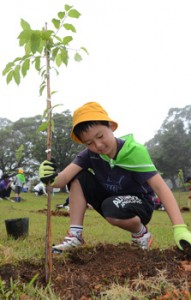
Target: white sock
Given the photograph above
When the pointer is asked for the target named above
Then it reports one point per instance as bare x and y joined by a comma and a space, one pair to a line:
141, 232
76, 230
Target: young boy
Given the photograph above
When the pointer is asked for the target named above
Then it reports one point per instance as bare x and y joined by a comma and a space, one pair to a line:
19, 182
114, 175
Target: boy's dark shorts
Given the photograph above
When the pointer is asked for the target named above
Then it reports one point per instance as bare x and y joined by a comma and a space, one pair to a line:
18, 189
114, 206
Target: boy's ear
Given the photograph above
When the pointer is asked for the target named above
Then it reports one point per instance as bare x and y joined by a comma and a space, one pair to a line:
112, 126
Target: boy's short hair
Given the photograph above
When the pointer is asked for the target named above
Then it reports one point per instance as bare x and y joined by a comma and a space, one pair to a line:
84, 126
5, 176
91, 111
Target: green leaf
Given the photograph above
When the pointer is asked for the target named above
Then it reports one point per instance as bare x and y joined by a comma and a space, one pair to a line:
17, 59
42, 87
64, 56
28, 48
9, 76
58, 38
35, 41
77, 57
69, 27
52, 93
25, 25
85, 50
67, 7
37, 63
73, 13
41, 46
24, 36
16, 74
25, 67
58, 60
67, 40
56, 23
43, 126
56, 71
54, 53
7, 68
61, 14
46, 34
43, 72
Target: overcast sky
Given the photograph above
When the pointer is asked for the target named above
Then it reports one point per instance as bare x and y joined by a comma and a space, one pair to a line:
139, 63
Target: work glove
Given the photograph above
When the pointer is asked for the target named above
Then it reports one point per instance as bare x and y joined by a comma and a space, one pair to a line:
182, 236
47, 171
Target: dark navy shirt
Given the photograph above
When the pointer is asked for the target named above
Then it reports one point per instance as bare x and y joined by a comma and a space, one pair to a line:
115, 180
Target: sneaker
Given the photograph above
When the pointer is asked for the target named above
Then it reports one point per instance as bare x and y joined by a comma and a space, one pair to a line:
144, 242
69, 242
67, 208
59, 206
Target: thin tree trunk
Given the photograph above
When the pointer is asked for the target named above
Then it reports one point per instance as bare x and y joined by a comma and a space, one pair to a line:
48, 243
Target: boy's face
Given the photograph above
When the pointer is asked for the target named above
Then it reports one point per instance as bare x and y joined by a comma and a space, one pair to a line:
100, 139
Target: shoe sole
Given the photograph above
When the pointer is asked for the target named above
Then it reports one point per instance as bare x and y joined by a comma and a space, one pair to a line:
56, 251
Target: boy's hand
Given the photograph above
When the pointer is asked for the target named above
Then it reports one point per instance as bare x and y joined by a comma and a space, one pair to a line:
47, 171
182, 236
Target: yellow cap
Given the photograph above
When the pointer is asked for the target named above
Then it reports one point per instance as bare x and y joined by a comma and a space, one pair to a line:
20, 171
91, 111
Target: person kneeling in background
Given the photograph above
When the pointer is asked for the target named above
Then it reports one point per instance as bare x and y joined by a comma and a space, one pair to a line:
40, 189
5, 187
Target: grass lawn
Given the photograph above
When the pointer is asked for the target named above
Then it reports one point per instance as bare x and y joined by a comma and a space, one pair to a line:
96, 229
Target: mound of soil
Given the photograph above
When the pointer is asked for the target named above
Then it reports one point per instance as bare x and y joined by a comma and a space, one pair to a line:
91, 271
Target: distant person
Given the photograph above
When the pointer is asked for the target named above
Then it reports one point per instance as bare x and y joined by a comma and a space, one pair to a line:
5, 187
158, 204
40, 189
19, 183
120, 186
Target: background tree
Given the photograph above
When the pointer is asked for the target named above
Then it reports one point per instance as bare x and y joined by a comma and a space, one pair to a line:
25, 132
170, 148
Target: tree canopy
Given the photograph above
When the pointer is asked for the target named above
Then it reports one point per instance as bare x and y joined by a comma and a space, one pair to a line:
25, 132
170, 148
23, 145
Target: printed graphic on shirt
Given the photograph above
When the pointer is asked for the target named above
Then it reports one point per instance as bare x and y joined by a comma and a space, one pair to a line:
122, 201
114, 186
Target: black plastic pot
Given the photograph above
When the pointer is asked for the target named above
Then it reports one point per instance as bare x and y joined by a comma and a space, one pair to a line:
17, 228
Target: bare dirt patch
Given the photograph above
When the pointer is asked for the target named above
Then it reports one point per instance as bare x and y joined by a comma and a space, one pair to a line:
91, 271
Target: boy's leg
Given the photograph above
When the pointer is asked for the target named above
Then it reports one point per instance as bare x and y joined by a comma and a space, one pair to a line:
82, 187
77, 210
130, 213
